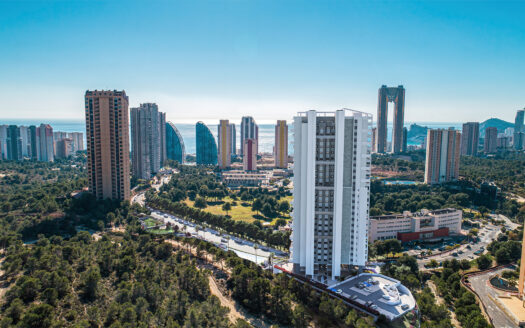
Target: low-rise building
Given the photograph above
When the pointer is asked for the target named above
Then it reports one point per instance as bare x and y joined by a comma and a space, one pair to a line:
409, 226
239, 178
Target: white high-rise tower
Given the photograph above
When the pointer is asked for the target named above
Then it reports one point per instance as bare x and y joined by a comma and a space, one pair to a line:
331, 191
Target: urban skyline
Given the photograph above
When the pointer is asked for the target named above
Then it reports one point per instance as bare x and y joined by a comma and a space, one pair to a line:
250, 66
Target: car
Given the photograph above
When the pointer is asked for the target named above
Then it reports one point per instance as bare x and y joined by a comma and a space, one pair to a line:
455, 254
339, 291
404, 306
166, 216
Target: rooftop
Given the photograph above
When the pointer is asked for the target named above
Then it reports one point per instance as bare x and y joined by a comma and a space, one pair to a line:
378, 292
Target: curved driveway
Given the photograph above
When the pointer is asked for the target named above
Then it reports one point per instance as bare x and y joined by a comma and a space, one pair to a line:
486, 293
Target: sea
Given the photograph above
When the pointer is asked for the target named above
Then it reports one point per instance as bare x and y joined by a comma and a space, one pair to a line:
266, 131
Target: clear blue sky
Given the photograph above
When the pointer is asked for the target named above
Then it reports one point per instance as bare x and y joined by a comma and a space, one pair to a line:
221, 59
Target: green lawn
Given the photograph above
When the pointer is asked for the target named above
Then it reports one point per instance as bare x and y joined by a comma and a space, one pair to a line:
242, 211
149, 222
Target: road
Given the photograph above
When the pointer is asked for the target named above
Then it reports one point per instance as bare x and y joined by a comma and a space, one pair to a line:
243, 248
486, 234
480, 285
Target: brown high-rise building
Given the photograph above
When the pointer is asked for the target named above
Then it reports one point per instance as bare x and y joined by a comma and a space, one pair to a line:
280, 150
470, 139
442, 160
491, 140
249, 157
397, 96
107, 135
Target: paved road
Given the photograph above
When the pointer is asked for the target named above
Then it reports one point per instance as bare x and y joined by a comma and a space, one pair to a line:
243, 248
480, 285
486, 234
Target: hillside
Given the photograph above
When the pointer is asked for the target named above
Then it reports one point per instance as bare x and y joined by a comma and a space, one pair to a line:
494, 122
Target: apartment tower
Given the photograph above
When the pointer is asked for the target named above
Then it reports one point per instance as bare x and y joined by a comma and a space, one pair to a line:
148, 135
46, 143
519, 130
397, 96
107, 134
442, 158
175, 149
249, 130
225, 147
490, 145
205, 145
470, 139
280, 150
331, 191
249, 158
233, 137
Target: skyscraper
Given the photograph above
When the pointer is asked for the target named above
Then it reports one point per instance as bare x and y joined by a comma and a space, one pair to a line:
77, 140
225, 147
331, 191
386, 95
64, 148
249, 130
24, 139
249, 158
280, 150
148, 129
206, 146
442, 158
470, 139
491, 140
34, 143
519, 129
233, 134
46, 143
107, 134
3, 141
14, 143
175, 149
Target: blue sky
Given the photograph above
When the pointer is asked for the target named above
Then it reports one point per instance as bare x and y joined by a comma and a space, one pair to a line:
207, 60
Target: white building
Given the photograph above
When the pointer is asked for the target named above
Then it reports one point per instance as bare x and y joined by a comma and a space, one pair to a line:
409, 226
331, 191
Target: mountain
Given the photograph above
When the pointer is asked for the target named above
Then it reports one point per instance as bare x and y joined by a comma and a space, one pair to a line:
416, 134
496, 123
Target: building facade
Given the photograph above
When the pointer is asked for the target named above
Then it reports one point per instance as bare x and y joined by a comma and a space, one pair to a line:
224, 140
77, 140
34, 143
14, 143
470, 139
409, 226
331, 191
249, 130
206, 146
280, 150
107, 134
519, 130
233, 135
46, 143
175, 149
442, 156
148, 130
386, 95
249, 157
491, 140
64, 148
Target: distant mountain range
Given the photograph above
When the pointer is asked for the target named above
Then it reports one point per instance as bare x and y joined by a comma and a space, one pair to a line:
417, 133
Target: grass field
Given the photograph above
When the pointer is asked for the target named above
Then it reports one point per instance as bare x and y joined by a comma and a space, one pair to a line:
242, 211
